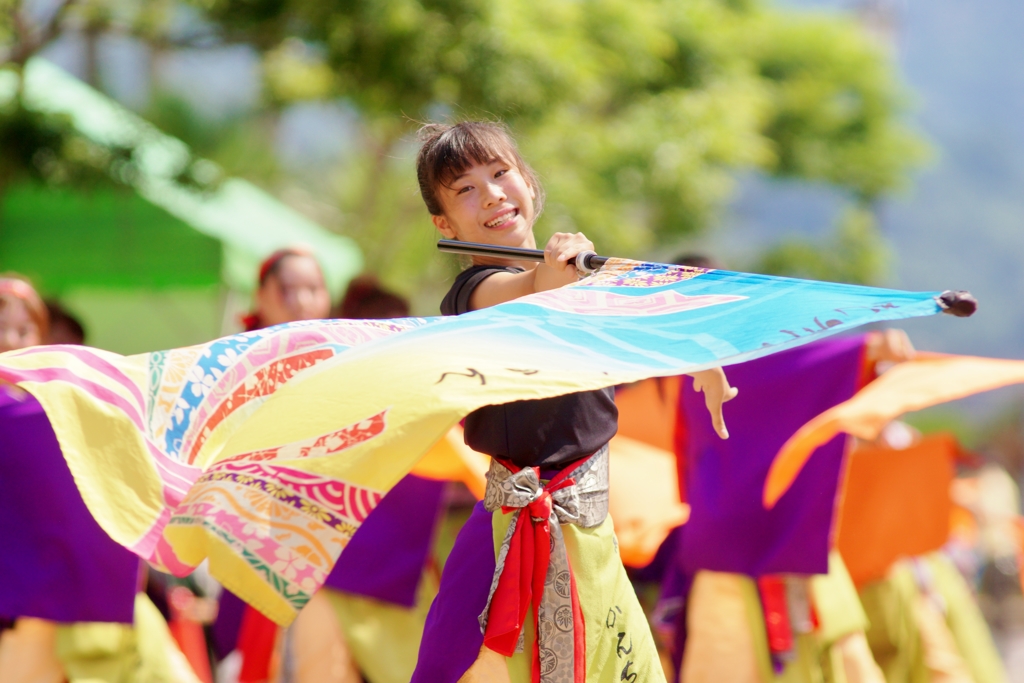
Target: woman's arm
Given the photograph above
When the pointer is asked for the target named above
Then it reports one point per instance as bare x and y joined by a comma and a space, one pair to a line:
555, 272
717, 391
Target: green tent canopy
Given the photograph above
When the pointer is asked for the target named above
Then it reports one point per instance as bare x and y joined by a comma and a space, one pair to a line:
178, 237
65, 239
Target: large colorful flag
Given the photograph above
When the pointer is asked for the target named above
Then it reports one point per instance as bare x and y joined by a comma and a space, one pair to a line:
265, 451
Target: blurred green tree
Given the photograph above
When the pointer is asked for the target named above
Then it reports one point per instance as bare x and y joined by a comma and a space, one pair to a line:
31, 144
636, 113
47, 148
855, 253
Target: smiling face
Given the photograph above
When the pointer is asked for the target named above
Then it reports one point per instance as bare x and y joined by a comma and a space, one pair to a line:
476, 185
488, 202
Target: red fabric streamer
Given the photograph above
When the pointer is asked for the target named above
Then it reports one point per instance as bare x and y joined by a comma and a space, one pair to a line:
256, 643
776, 614
188, 633
521, 583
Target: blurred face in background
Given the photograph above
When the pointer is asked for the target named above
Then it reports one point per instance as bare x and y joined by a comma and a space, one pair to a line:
17, 327
295, 290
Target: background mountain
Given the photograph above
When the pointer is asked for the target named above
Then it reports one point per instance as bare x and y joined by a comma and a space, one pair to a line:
961, 224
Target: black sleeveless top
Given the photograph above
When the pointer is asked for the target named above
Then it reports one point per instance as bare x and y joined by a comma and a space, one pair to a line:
547, 432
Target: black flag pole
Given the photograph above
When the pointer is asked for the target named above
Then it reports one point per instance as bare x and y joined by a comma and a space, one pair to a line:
955, 302
587, 261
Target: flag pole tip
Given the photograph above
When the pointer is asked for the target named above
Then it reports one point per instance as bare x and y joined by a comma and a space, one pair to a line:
960, 303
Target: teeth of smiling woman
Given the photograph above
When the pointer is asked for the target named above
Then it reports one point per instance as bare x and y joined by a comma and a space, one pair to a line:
501, 220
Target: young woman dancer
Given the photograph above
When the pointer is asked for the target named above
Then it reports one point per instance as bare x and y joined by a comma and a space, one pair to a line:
549, 612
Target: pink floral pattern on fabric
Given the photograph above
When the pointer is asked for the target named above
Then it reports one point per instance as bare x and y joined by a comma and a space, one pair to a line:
618, 272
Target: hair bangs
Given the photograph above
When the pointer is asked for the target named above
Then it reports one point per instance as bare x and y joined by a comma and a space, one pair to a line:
461, 148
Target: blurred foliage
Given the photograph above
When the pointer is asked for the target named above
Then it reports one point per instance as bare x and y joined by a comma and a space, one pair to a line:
997, 438
636, 113
296, 72
26, 27
855, 253
47, 148
1005, 439
236, 145
948, 418
7, 14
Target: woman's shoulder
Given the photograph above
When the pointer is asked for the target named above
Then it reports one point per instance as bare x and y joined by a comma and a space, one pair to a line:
473, 270
456, 301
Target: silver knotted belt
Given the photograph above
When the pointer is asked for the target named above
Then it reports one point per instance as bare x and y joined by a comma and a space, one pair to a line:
534, 545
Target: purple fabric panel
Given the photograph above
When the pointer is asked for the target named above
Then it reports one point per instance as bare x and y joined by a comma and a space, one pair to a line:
385, 558
675, 591
729, 530
452, 637
55, 560
224, 633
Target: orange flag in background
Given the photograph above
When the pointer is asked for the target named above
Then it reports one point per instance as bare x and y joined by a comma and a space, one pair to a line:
895, 503
927, 380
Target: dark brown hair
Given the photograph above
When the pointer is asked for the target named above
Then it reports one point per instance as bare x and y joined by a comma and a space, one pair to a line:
365, 299
65, 328
272, 263
449, 149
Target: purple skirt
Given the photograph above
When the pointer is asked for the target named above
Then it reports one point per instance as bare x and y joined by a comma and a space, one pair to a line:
452, 637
